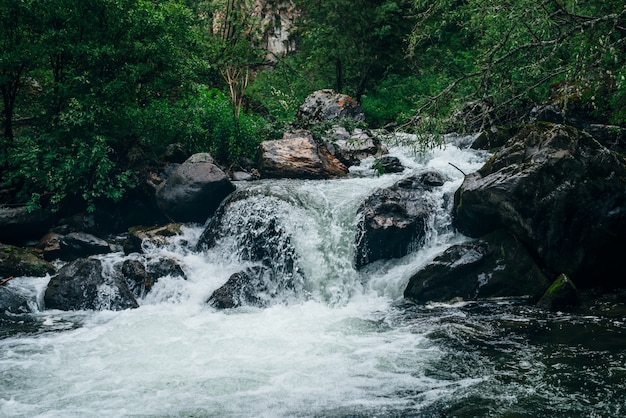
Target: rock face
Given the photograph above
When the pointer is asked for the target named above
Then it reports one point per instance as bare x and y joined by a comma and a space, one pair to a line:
497, 265
82, 285
18, 225
298, 156
560, 193
392, 221
16, 261
194, 190
326, 105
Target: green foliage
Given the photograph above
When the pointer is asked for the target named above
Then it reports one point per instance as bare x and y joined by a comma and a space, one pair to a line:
511, 52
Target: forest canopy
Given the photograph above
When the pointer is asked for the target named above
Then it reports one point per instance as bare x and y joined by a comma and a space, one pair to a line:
90, 86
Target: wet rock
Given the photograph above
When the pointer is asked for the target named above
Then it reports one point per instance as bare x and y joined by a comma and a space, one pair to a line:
327, 105
154, 235
12, 301
194, 190
136, 275
497, 265
561, 193
561, 295
392, 221
246, 288
16, 261
351, 148
82, 285
19, 225
251, 228
141, 275
493, 138
387, 164
297, 156
77, 245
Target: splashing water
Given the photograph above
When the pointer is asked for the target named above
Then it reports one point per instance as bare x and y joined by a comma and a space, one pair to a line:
340, 343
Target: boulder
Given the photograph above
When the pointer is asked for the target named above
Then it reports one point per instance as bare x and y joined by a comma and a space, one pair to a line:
327, 105
352, 147
77, 245
561, 193
561, 295
497, 265
298, 156
392, 221
246, 288
20, 224
387, 164
251, 229
82, 285
16, 261
194, 190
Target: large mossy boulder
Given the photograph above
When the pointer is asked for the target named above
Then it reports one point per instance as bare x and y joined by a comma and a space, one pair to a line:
194, 190
16, 261
496, 265
83, 285
298, 156
392, 221
561, 193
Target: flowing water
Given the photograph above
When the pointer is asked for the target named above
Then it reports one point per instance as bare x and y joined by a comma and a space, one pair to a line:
339, 343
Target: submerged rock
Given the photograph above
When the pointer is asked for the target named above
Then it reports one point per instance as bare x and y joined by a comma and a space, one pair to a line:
392, 221
497, 265
297, 156
82, 285
194, 190
561, 193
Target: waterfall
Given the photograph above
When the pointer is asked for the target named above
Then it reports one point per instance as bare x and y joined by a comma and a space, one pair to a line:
329, 340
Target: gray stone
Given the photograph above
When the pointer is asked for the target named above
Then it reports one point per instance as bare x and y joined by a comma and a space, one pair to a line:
194, 190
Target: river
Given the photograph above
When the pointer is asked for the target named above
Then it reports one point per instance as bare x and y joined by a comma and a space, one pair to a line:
343, 343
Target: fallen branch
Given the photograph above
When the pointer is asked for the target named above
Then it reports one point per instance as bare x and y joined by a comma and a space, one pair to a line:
5, 281
462, 172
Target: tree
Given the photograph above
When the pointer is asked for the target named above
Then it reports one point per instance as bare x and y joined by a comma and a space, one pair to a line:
513, 51
17, 57
106, 63
357, 43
